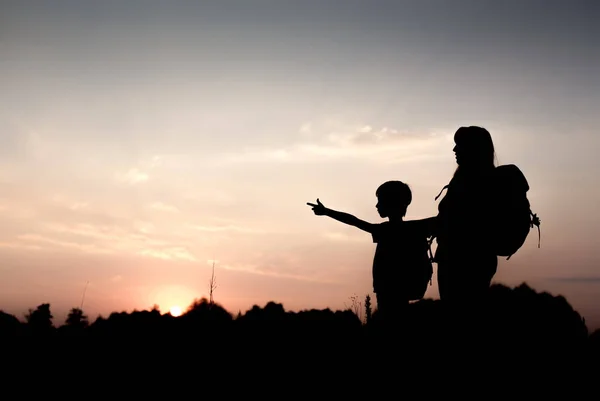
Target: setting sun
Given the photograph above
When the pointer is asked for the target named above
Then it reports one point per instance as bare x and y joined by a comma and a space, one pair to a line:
175, 311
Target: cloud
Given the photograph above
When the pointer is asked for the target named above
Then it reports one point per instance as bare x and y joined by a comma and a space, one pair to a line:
108, 233
20, 245
263, 269
227, 228
79, 206
133, 176
366, 135
39, 239
384, 145
139, 238
210, 195
116, 278
174, 253
306, 128
71, 204
157, 161
145, 227
164, 207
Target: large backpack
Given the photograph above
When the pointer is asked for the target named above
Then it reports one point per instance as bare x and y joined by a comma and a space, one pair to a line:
511, 216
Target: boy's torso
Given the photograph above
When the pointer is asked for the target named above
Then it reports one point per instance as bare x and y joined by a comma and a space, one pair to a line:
401, 248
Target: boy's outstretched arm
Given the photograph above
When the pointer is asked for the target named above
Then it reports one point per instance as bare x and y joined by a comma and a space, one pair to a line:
320, 210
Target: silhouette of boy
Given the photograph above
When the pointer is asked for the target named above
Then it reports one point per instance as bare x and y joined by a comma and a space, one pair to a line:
400, 244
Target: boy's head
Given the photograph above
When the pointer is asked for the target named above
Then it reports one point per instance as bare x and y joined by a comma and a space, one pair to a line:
393, 198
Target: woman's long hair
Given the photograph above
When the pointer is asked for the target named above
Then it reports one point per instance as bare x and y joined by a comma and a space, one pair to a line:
476, 143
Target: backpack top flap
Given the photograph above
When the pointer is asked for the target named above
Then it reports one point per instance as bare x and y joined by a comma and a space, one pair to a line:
511, 179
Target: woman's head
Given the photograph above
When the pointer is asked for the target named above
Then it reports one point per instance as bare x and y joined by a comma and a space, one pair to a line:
474, 148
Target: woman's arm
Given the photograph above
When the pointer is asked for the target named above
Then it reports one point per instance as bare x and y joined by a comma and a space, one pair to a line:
428, 226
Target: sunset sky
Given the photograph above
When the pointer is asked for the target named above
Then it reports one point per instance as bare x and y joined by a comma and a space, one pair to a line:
141, 140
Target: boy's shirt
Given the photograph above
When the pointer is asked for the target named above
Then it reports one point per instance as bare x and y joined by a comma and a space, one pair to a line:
400, 246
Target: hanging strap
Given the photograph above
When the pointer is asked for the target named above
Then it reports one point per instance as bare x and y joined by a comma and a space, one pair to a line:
535, 221
431, 257
429, 242
438, 195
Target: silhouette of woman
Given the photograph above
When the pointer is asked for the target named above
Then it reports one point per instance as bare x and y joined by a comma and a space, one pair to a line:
466, 262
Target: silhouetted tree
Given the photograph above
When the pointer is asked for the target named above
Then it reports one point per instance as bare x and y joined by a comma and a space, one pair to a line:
525, 325
202, 314
594, 345
77, 319
39, 321
9, 325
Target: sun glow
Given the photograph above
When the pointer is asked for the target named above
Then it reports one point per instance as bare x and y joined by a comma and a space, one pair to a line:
175, 311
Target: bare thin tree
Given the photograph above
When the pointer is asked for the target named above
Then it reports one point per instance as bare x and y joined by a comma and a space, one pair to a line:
83, 296
355, 306
212, 284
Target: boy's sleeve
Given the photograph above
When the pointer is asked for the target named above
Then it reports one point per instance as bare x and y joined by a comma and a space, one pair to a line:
424, 228
377, 232
430, 226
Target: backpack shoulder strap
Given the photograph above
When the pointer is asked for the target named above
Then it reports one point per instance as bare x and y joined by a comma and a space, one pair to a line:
440, 194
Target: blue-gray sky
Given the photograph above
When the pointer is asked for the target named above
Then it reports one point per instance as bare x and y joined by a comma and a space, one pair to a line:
140, 140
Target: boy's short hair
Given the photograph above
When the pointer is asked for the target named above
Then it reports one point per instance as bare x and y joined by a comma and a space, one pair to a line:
396, 191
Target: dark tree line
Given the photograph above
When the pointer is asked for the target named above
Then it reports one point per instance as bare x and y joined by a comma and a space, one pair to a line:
518, 327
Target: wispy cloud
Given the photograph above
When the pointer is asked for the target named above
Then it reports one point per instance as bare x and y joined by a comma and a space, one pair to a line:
387, 145
136, 239
79, 206
117, 240
227, 228
69, 203
39, 241
20, 245
269, 270
212, 195
306, 128
175, 253
163, 207
133, 176
100, 232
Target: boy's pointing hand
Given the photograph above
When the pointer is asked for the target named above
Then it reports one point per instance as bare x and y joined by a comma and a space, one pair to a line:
318, 209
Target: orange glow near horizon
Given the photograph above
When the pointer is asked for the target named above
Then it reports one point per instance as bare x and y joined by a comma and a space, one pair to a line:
175, 311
